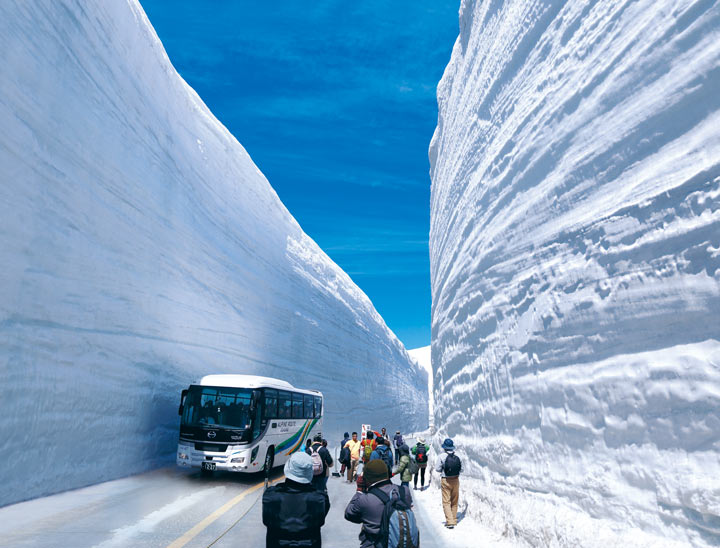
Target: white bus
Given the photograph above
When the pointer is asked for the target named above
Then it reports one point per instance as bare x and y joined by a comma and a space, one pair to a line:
244, 423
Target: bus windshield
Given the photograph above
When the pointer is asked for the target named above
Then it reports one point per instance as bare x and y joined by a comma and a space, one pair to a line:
219, 407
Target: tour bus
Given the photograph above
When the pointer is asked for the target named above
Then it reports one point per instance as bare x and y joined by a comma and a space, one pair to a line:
244, 423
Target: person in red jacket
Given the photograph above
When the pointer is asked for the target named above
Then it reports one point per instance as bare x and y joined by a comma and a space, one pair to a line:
368, 446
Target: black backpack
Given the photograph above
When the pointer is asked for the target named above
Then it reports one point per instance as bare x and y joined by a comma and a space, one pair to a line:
420, 454
452, 465
344, 456
398, 528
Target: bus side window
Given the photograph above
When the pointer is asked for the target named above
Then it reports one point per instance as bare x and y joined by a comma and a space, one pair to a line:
309, 411
318, 407
297, 406
284, 405
270, 409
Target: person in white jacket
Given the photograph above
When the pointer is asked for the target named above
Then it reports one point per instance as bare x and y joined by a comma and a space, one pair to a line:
449, 465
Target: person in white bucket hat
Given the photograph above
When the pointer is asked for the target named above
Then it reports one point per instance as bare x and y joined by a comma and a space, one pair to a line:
294, 510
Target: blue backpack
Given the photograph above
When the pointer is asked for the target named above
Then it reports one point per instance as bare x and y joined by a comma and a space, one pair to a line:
398, 528
387, 458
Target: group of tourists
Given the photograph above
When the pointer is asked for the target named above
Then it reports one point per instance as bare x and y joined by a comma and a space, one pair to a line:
294, 511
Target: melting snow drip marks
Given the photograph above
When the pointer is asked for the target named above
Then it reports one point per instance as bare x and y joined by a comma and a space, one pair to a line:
575, 267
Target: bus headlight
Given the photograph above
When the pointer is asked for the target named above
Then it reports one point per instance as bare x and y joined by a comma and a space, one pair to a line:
238, 460
183, 456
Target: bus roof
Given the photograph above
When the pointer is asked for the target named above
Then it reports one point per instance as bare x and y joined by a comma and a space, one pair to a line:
249, 381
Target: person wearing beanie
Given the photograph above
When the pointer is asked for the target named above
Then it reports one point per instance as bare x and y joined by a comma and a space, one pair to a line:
366, 508
294, 511
449, 465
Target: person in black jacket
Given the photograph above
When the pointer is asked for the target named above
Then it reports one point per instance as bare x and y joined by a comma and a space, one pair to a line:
294, 511
344, 453
319, 481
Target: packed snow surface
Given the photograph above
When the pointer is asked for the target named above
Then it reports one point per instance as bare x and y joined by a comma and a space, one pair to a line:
575, 260
141, 248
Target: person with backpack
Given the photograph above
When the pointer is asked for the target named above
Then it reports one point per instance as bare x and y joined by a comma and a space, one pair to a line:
407, 467
420, 452
294, 511
397, 442
321, 461
368, 446
385, 511
383, 452
344, 458
449, 465
354, 447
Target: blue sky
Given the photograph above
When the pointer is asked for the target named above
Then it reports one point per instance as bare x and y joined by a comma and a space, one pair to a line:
335, 102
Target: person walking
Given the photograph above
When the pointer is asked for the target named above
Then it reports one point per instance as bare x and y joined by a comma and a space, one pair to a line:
397, 442
322, 461
404, 467
368, 446
344, 458
294, 511
354, 446
449, 465
367, 506
420, 452
383, 452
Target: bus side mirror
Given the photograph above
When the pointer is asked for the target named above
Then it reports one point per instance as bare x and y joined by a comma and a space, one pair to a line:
254, 401
182, 402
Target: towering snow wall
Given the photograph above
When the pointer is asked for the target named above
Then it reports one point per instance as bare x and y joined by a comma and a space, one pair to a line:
141, 248
575, 257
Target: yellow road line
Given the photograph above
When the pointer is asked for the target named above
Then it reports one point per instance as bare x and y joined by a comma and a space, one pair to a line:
200, 527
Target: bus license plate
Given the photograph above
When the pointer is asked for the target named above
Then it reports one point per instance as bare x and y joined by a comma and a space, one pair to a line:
208, 466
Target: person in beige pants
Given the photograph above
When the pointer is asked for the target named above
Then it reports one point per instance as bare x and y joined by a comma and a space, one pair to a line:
449, 465
354, 446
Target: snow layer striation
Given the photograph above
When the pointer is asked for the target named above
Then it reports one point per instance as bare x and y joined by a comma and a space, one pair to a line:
575, 261
141, 248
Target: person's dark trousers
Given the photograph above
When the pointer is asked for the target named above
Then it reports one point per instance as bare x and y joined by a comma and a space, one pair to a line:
397, 456
319, 482
421, 473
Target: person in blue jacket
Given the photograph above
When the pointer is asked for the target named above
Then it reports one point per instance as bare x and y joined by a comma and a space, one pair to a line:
383, 452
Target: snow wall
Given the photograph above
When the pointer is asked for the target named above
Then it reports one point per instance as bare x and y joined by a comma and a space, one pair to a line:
141, 248
575, 264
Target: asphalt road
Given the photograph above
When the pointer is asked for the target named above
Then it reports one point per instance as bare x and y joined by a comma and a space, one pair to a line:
168, 508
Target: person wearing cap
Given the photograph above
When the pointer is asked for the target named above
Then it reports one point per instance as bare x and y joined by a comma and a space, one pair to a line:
294, 511
449, 465
366, 508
